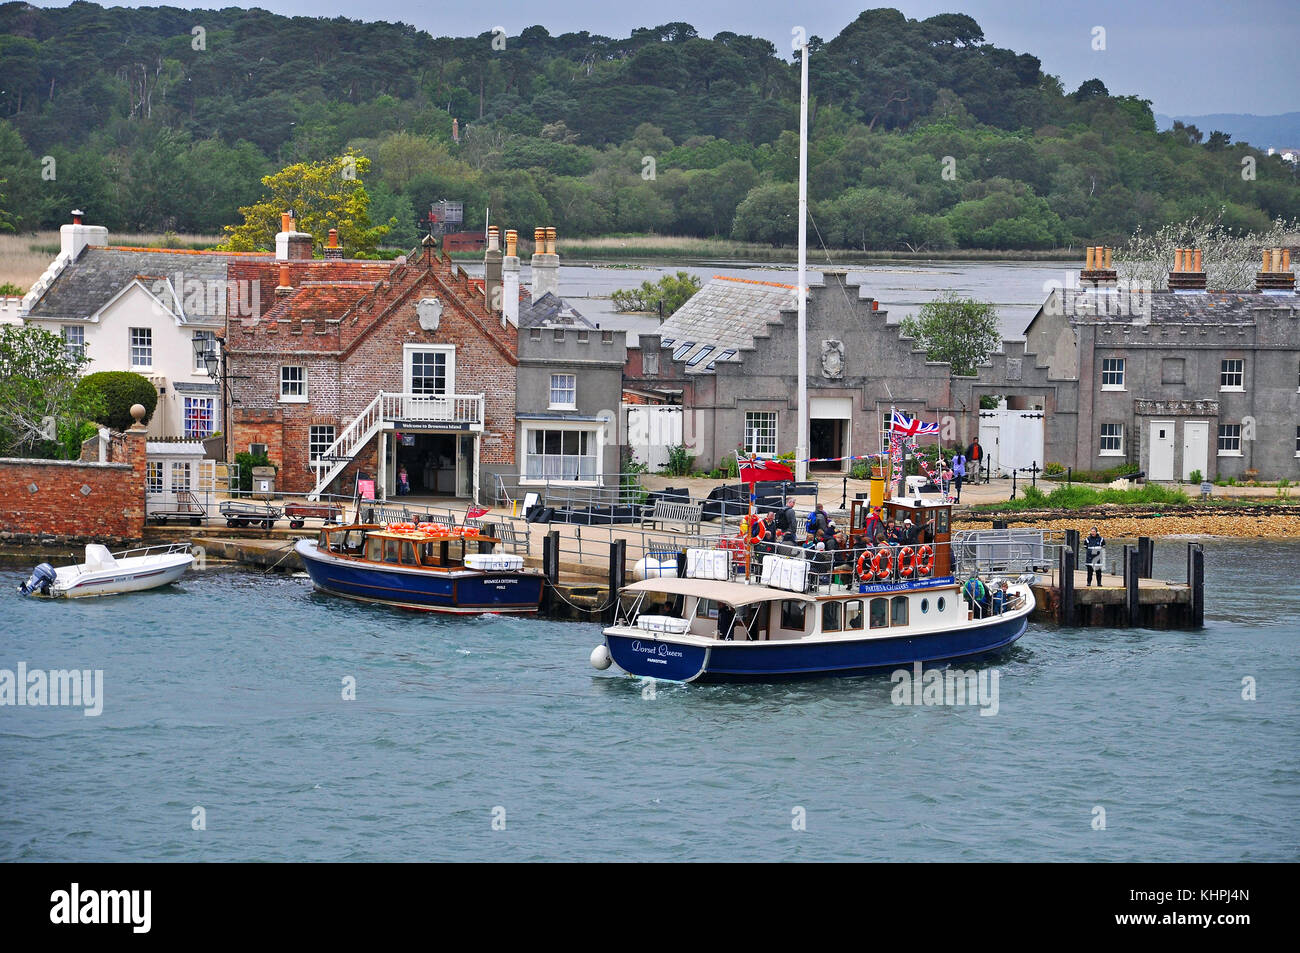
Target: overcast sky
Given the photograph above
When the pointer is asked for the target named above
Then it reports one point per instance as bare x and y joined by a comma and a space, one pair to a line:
1188, 57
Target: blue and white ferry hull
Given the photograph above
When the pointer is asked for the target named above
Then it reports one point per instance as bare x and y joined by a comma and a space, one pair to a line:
464, 591
646, 655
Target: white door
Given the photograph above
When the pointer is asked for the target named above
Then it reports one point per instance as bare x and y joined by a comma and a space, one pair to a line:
991, 442
1196, 448
1161, 466
650, 431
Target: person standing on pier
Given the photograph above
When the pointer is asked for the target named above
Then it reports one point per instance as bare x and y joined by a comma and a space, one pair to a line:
958, 473
1094, 545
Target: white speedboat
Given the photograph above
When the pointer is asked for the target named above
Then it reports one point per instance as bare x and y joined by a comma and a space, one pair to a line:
105, 573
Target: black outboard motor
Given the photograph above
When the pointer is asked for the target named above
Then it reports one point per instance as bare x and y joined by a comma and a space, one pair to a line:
43, 577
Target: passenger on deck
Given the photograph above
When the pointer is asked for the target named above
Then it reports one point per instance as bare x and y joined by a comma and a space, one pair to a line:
875, 529
909, 533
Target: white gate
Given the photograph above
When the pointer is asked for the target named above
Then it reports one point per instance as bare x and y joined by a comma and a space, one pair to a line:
1012, 439
651, 429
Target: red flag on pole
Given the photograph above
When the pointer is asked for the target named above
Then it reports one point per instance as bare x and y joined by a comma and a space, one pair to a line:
752, 470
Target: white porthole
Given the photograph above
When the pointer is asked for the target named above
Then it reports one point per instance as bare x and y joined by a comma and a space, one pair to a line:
925, 606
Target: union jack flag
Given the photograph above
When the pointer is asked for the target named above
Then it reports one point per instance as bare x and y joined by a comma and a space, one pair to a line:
911, 426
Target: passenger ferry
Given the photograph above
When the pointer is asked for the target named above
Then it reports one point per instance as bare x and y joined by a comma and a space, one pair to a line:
426, 566
862, 609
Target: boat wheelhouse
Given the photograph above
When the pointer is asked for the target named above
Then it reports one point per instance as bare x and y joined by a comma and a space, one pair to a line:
427, 567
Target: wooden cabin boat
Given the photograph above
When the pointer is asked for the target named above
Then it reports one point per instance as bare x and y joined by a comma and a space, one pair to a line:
859, 611
426, 567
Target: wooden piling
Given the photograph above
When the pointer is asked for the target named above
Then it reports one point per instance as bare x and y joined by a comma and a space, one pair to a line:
550, 568
1197, 582
1069, 555
617, 567
1131, 577
1146, 556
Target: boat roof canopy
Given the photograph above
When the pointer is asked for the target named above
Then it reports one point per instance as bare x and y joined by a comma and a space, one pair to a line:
734, 594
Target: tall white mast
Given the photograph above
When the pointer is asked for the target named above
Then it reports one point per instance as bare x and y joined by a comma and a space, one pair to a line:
801, 451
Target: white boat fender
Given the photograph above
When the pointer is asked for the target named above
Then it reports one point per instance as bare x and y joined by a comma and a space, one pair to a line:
42, 578
600, 658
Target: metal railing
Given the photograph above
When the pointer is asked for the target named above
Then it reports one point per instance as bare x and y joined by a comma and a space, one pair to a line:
983, 551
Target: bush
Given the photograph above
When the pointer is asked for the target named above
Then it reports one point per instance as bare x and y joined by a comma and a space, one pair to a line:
119, 390
246, 462
1194, 477
861, 471
1054, 469
679, 461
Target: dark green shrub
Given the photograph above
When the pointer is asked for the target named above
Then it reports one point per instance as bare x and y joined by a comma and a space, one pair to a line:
246, 462
119, 390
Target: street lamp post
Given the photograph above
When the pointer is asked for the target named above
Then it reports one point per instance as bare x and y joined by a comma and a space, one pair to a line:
208, 350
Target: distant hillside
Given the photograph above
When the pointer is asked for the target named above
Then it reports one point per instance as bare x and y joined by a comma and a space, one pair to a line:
1263, 132
924, 136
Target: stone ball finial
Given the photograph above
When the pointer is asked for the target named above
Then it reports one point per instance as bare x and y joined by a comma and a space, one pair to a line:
138, 412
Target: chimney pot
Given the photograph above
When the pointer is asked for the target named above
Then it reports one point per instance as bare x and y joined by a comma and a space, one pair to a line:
76, 216
550, 241
512, 242
334, 238
1286, 259
285, 287
286, 222
1087, 265
1196, 260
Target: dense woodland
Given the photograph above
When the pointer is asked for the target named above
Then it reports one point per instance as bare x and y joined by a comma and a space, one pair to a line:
924, 135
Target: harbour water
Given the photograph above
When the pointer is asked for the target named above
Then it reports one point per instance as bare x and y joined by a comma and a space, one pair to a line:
491, 738
1017, 288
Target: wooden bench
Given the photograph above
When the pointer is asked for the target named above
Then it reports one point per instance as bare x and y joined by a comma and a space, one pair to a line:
688, 515
512, 536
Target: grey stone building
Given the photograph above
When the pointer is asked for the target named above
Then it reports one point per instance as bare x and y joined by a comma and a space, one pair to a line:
1179, 381
1172, 381
569, 384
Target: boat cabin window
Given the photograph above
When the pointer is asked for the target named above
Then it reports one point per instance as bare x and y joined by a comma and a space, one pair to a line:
408, 554
792, 615
899, 615
391, 549
879, 613
941, 604
831, 616
941, 520
708, 609
375, 549
854, 617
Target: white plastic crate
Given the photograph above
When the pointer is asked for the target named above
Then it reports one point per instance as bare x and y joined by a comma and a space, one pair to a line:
670, 625
494, 562
708, 564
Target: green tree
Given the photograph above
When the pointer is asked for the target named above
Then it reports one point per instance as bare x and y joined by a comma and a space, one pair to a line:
673, 290
323, 195
116, 392
961, 331
769, 213
38, 390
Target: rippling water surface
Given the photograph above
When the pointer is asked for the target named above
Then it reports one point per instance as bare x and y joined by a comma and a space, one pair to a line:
225, 693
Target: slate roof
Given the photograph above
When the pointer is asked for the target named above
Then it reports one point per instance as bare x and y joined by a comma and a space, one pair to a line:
1170, 307
722, 319
87, 284
550, 311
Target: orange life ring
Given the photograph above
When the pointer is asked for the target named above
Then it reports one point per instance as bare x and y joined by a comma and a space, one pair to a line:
760, 531
925, 560
906, 562
883, 562
863, 571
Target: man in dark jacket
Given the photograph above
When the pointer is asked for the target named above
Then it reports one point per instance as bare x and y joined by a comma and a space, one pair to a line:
974, 460
1094, 547
789, 523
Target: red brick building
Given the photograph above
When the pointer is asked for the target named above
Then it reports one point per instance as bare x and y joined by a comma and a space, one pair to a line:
372, 367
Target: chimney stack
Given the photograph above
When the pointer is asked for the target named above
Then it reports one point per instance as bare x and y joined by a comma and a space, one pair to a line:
492, 270
291, 244
1187, 275
510, 279
75, 237
1098, 271
332, 249
546, 263
284, 287
1276, 276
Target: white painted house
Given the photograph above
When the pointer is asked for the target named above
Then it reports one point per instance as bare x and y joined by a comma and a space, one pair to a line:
138, 309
